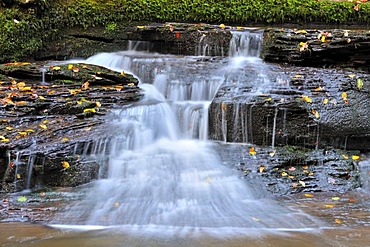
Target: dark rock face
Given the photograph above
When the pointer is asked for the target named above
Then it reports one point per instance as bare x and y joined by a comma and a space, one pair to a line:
49, 126
317, 108
170, 38
314, 47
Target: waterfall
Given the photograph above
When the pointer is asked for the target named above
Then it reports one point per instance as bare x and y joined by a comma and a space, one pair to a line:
162, 172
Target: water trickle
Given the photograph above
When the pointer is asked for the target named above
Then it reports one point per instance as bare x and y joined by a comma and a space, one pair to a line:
162, 171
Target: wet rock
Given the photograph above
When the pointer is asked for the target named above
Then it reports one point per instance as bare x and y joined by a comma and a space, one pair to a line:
48, 113
317, 47
307, 107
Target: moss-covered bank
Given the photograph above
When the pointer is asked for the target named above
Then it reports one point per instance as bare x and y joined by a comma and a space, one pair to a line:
26, 25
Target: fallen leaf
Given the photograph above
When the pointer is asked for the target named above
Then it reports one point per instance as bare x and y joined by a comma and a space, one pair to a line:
360, 83
70, 66
335, 198
65, 139
178, 35
345, 156
338, 221
291, 169
302, 183
357, 7
42, 194
65, 164
43, 126
56, 68
355, 157
85, 85
317, 115
98, 104
325, 101
116, 205
309, 195
209, 180
222, 26
42, 97
92, 110
123, 73
352, 76
76, 70
307, 99
262, 168
252, 151
8, 127
284, 174
272, 154
22, 199
329, 206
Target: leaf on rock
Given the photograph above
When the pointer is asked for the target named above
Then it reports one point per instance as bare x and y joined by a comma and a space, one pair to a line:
65, 164
22, 199
309, 195
335, 198
355, 157
262, 168
70, 66
56, 68
284, 174
329, 206
307, 99
92, 110
302, 183
345, 156
43, 126
360, 83
325, 101
338, 221
252, 151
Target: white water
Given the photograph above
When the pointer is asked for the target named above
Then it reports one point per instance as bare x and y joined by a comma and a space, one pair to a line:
163, 173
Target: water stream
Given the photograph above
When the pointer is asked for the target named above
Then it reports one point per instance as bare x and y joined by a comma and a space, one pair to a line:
163, 173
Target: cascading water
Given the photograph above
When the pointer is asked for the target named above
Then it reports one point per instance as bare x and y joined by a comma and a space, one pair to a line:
162, 171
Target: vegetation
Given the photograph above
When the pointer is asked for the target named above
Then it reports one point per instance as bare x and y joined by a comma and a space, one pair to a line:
26, 24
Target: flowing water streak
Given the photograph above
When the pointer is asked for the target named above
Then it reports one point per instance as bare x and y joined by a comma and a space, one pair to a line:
164, 177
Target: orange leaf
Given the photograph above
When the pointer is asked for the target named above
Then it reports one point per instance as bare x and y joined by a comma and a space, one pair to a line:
65, 164
252, 151
178, 35
75, 69
356, 7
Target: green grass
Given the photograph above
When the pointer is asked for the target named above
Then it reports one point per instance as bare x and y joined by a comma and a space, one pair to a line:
24, 30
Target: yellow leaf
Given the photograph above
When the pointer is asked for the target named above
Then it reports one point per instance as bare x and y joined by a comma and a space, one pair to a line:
65, 139
5, 140
336, 198
18, 175
43, 126
329, 206
123, 73
325, 101
272, 154
25, 88
268, 99
65, 164
359, 83
322, 38
140, 27
92, 110
317, 115
355, 157
352, 76
131, 84
21, 84
30, 130
344, 95
307, 99
291, 177
338, 221
56, 68
70, 66
9, 127
309, 195
345, 156
85, 85
284, 174
21, 103
318, 89
222, 26
25, 63
252, 151
302, 183
310, 174
23, 133
302, 31
42, 97
45, 121
262, 168
98, 104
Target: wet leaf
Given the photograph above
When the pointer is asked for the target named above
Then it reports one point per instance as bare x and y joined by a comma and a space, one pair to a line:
338, 221
18, 176
65, 164
262, 168
22, 199
352, 76
45, 121
42, 194
309, 195
317, 115
291, 169
92, 110
325, 101
123, 73
307, 99
252, 151
335, 198
272, 154
85, 85
329, 206
302, 183
5, 140
318, 89
65, 139
178, 35
345, 156
42, 97
56, 68
355, 157
43, 126
140, 27
222, 26
284, 174
75, 69
359, 83
70, 66
302, 31
98, 104
9, 128
323, 38
23, 133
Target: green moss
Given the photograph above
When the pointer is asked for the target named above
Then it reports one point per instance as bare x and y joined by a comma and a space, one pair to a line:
24, 29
